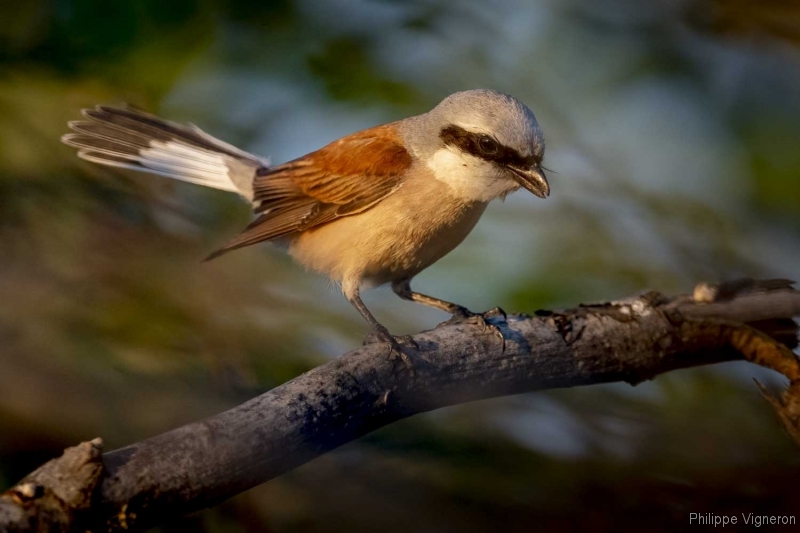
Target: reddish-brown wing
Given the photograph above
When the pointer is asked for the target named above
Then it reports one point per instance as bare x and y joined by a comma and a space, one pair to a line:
341, 179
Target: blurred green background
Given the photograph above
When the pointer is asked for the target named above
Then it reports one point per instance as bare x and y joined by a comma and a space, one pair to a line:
674, 127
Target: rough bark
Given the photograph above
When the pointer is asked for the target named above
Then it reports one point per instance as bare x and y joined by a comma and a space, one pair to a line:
206, 462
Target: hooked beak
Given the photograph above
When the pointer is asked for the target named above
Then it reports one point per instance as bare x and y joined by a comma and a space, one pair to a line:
532, 179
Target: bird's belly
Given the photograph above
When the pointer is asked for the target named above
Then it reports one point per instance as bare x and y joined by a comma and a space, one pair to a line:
388, 242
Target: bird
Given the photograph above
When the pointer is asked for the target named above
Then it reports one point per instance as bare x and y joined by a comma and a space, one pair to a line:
372, 208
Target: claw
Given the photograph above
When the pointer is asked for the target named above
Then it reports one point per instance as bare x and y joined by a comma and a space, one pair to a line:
497, 311
497, 333
407, 339
462, 314
395, 348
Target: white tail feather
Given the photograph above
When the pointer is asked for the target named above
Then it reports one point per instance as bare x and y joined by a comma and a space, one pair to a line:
176, 161
131, 139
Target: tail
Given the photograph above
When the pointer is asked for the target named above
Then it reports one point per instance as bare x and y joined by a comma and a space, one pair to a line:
132, 139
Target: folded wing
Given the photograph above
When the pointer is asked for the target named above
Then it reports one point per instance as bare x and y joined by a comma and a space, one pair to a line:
341, 179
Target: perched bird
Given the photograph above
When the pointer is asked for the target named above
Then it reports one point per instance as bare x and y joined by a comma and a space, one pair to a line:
375, 207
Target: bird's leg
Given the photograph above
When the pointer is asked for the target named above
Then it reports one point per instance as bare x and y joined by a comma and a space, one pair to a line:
403, 290
460, 313
379, 331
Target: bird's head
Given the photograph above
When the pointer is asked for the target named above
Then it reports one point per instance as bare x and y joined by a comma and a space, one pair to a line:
484, 144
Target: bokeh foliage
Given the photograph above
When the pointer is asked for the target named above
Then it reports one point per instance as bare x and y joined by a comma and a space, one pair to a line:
674, 127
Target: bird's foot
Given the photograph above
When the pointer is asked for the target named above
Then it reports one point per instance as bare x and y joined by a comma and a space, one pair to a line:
463, 315
396, 344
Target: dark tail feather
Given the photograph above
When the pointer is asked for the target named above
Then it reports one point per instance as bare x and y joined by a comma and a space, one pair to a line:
132, 139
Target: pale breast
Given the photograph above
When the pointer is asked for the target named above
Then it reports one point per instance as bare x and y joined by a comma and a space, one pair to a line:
402, 235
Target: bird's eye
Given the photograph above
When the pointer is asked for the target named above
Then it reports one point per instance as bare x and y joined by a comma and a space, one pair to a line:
488, 145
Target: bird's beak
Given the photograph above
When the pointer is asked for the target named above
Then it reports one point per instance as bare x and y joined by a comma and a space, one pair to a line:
532, 179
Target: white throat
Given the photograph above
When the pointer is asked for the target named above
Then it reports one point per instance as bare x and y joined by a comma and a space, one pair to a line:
470, 177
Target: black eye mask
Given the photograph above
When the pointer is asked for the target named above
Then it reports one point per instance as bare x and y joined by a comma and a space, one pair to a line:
485, 147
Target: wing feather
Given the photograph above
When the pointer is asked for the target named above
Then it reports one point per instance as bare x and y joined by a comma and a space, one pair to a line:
340, 179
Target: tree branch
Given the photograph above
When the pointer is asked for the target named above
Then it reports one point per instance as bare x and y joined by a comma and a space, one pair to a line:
204, 463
